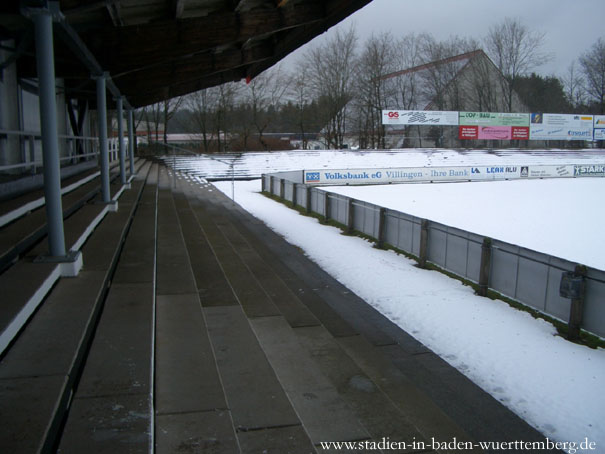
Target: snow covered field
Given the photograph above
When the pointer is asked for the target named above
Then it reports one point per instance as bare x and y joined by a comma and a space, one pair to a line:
560, 217
253, 164
556, 386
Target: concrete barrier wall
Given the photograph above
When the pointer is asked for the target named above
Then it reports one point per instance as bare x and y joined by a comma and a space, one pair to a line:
529, 277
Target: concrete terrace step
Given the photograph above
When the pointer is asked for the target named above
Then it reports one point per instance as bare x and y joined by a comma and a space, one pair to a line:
112, 404
334, 398
38, 373
252, 400
28, 281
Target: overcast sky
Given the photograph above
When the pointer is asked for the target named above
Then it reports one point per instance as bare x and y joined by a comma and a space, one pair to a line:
571, 27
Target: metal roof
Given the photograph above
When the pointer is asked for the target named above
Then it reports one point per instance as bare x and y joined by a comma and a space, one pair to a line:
158, 49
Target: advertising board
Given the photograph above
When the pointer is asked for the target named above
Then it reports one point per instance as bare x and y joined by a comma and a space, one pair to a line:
599, 127
494, 119
419, 117
493, 132
560, 127
345, 177
409, 175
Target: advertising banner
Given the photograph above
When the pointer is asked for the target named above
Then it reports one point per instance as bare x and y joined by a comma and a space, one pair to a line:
594, 170
493, 132
345, 177
599, 127
419, 117
409, 175
494, 119
560, 127
468, 132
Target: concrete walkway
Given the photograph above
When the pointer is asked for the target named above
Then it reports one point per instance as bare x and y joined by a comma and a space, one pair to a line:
216, 336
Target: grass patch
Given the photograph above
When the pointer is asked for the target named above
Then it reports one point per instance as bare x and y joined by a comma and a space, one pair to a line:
586, 338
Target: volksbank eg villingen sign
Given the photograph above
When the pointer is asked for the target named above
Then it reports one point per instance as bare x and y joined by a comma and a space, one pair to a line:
409, 175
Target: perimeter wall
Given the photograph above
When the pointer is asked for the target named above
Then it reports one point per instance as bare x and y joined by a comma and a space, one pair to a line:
529, 277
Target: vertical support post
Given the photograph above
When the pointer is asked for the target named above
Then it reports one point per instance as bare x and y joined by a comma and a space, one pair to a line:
50, 139
103, 150
308, 200
350, 216
381, 222
326, 206
271, 179
576, 310
294, 195
131, 140
121, 151
262, 182
424, 243
282, 188
485, 267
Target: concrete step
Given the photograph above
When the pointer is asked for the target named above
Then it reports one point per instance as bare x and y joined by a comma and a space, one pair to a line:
38, 373
251, 399
112, 404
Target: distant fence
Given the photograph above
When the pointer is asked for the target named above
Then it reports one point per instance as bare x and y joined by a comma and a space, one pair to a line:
529, 277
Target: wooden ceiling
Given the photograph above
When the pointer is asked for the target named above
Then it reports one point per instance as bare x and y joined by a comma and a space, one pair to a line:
160, 49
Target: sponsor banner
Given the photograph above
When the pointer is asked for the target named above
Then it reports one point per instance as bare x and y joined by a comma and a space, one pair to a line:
520, 132
595, 170
468, 132
494, 119
419, 117
495, 132
560, 127
409, 175
442, 174
547, 171
599, 127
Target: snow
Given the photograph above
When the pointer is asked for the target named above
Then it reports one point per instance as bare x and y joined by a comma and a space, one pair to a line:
555, 385
253, 164
560, 217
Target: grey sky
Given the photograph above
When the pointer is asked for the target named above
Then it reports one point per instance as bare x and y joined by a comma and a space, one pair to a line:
571, 27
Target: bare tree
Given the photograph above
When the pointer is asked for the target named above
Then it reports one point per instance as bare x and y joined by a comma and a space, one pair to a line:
573, 84
372, 90
593, 67
516, 50
202, 105
299, 90
331, 74
169, 108
264, 94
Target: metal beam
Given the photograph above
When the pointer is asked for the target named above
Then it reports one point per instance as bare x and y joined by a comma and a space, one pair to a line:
103, 150
131, 139
120, 113
50, 139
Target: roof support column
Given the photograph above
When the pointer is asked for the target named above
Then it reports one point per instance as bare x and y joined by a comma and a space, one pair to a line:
50, 140
103, 150
131, 140
121, 151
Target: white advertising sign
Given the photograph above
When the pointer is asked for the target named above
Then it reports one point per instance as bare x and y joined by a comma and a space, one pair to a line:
419, 117
345, 177
599, 127
560, 127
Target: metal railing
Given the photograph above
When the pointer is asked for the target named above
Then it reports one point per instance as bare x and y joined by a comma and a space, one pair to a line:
76, 148
529, 277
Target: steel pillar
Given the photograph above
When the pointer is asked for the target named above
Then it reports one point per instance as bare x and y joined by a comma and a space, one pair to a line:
50, 140
103, 151
121, 151
131, 139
